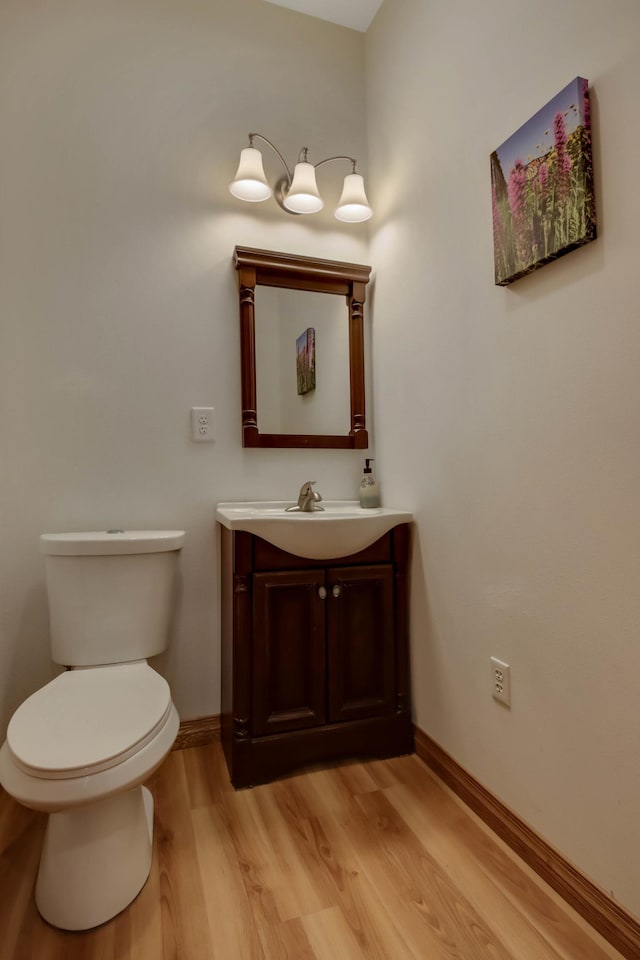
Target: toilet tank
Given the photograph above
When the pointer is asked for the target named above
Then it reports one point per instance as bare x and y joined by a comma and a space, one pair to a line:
111, 594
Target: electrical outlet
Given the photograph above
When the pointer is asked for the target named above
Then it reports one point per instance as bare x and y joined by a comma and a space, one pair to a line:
501, 681
202, 424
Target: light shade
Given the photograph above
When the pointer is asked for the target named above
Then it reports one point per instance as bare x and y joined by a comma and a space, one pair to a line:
353, 206
303, 196
250, 182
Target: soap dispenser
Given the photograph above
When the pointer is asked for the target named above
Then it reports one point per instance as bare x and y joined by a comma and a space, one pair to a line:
369, 496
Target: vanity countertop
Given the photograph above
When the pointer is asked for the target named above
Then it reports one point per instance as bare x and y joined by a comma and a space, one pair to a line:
340, 529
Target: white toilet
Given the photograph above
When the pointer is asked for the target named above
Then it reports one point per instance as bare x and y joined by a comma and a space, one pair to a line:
80, 748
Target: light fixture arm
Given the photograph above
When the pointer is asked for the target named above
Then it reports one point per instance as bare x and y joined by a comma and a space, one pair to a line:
276, 151
302, 156
329, 159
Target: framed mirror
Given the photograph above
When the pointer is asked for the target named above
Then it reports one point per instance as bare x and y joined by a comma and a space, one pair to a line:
302, 350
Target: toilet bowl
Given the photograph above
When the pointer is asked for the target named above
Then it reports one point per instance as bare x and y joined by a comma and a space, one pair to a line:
80, 749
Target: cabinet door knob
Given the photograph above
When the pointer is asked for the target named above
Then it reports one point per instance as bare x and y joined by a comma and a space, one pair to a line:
337, 590
322, 593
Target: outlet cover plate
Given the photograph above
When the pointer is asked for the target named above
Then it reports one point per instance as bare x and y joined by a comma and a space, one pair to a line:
203, 424
501, 681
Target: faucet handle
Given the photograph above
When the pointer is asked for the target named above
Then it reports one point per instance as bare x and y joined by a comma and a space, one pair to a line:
308, 491
308, 497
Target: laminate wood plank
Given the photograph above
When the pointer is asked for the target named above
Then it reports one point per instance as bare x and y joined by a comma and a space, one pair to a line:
268, 893
290, 869
325, 789
368, 909
520, 938
331, 785
331, 936
206, 774
41, 940
138, 929
254, 855
431, 905
356, 778
234, 932
385, 773
434, 917
291, 798
293, 890
185, 925
531, 897
334, 879
362, 910
481, 867
375, 860
21, 831
286, 940
332, 857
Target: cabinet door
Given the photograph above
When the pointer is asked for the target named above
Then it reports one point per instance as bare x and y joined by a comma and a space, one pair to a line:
289, 661
361, 679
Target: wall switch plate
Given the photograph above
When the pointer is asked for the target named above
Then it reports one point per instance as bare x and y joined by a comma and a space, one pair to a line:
501, 681
203, 424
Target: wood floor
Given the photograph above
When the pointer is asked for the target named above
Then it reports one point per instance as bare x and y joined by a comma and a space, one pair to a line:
369, 860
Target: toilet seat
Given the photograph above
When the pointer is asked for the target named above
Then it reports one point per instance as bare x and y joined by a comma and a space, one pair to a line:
88, 720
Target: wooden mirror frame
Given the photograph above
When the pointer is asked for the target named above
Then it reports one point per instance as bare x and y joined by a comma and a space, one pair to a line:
269, 269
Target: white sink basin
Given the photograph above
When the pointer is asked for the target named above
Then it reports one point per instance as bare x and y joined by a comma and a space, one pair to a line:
339, 530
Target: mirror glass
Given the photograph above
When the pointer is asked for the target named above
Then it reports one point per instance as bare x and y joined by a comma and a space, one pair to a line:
302, 362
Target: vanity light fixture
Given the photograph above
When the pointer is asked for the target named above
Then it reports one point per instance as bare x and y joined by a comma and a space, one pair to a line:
298, 192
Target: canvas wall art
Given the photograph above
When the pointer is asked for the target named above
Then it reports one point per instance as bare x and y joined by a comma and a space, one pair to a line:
306, 361
542, 186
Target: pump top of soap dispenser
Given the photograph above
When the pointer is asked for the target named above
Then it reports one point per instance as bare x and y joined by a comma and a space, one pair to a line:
367, 468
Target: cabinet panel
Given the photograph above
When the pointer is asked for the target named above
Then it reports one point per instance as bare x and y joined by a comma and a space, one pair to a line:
289, 664
306, 680
360, 636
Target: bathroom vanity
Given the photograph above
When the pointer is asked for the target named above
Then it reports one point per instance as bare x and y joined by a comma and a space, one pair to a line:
315, 662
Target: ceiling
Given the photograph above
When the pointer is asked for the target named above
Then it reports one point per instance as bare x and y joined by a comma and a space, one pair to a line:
356, 14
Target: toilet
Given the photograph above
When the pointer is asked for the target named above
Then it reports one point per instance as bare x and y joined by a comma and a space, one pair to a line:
81, 747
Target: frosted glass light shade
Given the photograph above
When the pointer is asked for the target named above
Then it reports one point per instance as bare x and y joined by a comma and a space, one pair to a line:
250, 182
353, 206
303, 196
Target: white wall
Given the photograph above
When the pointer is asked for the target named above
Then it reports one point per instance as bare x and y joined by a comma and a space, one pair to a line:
121, 126
508, 418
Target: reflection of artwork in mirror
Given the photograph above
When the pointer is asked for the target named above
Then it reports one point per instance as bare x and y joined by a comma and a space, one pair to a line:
306, 361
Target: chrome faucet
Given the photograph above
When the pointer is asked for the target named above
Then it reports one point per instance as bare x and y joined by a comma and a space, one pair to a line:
307, 498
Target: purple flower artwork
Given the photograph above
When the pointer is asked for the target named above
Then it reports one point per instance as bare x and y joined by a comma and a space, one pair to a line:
306, 361
542, 187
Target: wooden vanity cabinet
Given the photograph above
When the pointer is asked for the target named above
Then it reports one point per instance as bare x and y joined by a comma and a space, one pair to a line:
314, 656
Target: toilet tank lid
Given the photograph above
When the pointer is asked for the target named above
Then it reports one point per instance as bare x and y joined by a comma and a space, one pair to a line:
105, 542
